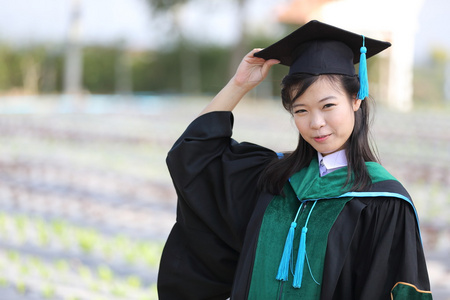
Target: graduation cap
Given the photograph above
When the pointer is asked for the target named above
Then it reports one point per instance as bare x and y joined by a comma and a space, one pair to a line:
317, 48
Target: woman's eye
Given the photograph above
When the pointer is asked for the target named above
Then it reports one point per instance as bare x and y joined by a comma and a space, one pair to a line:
328, 105
299, 111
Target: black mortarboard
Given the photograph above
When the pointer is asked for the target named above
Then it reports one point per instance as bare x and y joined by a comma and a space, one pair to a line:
318, 48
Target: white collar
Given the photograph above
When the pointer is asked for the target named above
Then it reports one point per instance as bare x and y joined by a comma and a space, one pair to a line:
334, 160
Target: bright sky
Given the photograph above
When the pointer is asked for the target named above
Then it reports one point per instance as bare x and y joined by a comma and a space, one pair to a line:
25, 21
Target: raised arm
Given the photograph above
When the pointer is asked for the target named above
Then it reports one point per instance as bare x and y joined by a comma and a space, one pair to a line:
251, 71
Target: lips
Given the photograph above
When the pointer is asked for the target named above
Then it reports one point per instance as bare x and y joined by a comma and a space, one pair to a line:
321, 138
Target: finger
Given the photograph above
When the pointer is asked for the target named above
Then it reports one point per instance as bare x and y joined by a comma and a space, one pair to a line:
269, 63
255, 50
273, 61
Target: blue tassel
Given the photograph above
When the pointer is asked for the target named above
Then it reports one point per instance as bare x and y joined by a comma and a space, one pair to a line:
363, 77
298, 275
283, 269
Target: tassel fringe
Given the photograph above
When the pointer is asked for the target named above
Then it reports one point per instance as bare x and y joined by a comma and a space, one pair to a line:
363, 77
298, 275
283, 269
286, 263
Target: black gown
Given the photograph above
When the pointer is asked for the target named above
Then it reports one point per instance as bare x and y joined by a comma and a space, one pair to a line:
373, 248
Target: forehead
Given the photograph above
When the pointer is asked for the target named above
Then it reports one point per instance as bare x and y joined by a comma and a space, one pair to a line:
324, 86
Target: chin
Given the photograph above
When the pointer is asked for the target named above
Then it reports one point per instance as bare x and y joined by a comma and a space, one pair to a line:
327, 151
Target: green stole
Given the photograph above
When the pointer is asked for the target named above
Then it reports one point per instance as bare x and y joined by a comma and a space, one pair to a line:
308, 187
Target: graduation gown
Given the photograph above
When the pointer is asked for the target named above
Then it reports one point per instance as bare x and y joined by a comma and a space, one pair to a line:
373, 249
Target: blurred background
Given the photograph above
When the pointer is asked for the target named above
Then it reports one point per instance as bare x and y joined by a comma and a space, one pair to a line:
94, 93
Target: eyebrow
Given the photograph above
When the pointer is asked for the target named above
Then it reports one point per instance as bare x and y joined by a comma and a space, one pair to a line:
321, 100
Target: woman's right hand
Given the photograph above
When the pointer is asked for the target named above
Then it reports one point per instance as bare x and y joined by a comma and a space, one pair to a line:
252, 70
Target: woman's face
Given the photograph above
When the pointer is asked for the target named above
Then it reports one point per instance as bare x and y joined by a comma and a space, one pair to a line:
324, 116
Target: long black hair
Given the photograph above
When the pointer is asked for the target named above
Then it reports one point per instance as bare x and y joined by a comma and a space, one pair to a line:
358, 150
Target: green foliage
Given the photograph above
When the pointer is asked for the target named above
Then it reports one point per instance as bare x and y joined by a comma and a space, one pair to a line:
3, 221
427, 86
10, 75
134, 282
3, 282
118, 291
87, 239
439, 55
48, 291
214, 68
85, 273
156, 72
50, 276
105, 273
99, 69
21, 287
13, 255
24, 270
165, 4
169, 70
429, 80
62, 265
43, 234
29, 68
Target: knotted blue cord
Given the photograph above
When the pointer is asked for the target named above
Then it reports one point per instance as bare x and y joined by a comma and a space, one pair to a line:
283, 268
298, 275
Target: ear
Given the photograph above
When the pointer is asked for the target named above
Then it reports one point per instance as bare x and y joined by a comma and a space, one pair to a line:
356, 103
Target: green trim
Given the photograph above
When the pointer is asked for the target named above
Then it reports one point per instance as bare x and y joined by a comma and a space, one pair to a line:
407, 291
308, 184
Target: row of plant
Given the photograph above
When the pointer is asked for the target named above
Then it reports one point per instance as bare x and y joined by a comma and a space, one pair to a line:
58, 176
115, 158
69, 279
61, 236
80, 207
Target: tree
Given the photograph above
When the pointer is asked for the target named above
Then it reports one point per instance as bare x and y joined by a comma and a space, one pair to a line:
190, 69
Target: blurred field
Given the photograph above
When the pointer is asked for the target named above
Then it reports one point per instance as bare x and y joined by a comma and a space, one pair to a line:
86, 201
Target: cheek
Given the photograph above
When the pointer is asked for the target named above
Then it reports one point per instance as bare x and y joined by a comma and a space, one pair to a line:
344, 123
300, 123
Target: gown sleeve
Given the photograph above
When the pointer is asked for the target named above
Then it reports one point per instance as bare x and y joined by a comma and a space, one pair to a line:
386, 258
216, 183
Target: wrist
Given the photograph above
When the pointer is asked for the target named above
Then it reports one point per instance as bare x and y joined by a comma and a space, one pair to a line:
239, 86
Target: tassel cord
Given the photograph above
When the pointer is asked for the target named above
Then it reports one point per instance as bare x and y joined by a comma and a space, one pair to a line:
287, 257
309, 215
300, 209
298, 276
310, 271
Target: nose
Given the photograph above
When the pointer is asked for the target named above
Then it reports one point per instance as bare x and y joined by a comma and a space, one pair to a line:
317, 121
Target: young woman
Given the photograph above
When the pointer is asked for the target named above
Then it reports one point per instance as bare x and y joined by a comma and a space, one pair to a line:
323, 222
